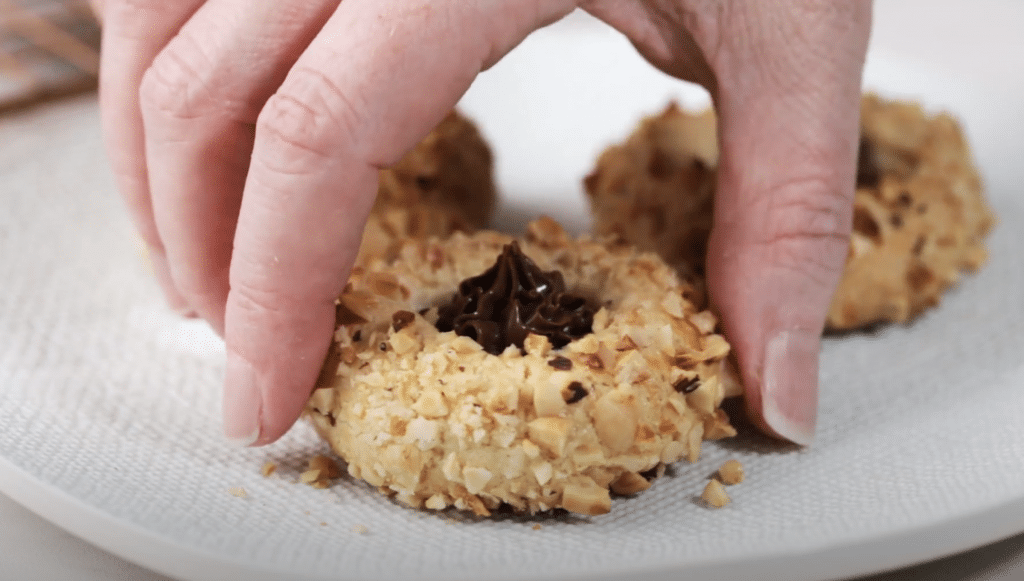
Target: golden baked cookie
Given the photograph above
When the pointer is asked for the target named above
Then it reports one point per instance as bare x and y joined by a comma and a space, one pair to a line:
443, 185
919, 213
920, 217
483, 371
656, 190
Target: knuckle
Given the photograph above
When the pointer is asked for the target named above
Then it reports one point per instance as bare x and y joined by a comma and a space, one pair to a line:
307, 121
811, 208
255, 303
176, 84
806, 228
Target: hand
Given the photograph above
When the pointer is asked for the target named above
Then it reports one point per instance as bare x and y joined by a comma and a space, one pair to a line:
246, 139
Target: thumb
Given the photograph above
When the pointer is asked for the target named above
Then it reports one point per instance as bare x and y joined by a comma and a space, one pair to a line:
788, 101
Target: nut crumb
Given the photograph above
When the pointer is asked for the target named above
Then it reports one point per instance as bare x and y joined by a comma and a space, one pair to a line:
238, 491
360, 529
327, 467
731, 472
537, 527
714, 494
268, 469
309, 476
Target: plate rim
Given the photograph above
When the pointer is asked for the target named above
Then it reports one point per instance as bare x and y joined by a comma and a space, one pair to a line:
872, 554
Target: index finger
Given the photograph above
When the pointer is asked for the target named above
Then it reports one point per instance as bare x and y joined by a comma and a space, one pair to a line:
373, 82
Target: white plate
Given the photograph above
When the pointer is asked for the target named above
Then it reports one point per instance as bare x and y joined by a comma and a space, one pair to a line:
109, 406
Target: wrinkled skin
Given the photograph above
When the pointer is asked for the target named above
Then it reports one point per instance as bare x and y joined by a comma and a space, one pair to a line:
246, 138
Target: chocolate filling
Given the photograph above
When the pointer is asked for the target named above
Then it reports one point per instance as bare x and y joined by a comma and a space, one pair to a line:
868, 172
512, 299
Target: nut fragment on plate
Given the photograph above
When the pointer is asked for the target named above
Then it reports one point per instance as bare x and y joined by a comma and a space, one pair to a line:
731, 472
320, 472
540, 373
714, 494
920, 216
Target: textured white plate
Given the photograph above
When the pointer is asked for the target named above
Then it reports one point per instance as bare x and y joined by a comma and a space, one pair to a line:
109, 405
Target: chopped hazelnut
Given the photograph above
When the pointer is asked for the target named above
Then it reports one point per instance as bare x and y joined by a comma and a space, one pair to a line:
731, 472
714, 494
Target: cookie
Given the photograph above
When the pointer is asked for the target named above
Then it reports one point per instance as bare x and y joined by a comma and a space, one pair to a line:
443, 185
656, 190
919, 213
482, 371
919, 218
388, 227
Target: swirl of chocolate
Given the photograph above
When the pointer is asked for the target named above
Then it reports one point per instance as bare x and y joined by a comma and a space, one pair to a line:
512, 299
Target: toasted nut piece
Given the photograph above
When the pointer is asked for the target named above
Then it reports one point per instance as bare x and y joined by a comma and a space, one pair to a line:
309, 476
268, 468
538, 344
530, 449
731, 472
625, 343
403, 343
543, 472
715, 346
385, 284
431, 404
630, 483
705, 322
615, 422
327, 467
476, 478
718, 426
547, 395
436, 502
546, 231
477, 506
550, 434
586, 499
714, 494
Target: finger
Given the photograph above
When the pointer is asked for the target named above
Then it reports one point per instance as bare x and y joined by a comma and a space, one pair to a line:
659, 30
789, 87
373, 82
200, 99
133, 33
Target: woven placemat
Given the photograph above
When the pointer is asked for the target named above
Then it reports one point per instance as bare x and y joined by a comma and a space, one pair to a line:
48, 48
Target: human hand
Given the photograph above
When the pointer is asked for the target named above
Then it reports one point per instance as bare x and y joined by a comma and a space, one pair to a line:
246, 139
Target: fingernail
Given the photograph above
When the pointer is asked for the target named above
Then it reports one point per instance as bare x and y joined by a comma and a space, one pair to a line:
242, 402
790, 385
